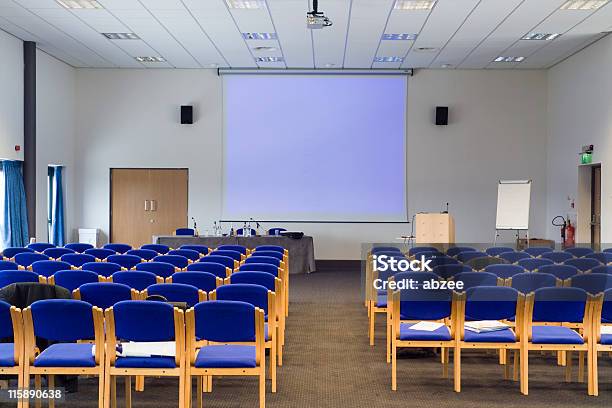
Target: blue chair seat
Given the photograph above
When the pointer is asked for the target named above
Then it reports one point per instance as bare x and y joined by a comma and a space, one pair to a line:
145, 362
606, 339
228, 356
441, 334
7, 355
66, 355
381, 300
498, 336
555, 335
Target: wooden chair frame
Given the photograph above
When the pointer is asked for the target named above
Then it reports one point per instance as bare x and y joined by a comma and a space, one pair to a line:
597, 347
283, 274
18, 341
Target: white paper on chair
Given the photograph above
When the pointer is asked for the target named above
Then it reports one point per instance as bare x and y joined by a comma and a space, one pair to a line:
426, 326
483, 326
606, 329
147, 349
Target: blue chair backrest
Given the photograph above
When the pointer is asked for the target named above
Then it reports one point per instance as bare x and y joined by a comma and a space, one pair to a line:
6, 321
537, 251
104, 294
583, 264
373, 251
557, 256
118, 248
560, 271
608, 250
263, 259
607, 269
448, 271
456, 250
7, 265
603, 257
205, 281
72, 279
237, 248
427, 253
176, 260
10, 252
254, 278
175, 292
559, 305
160, 249
26, 259
276, 231
272, 254
225, 321
528, 282
497, 250
185, 232
443, 260
531, 264
224, 260
100, 253
144, 320
78, 247
466, 256
504, 271
138, 280
147, 254
606, 311
163, 269
240, 232
473, 279
579, 252
490, 303
215, 268
514, 257
77, 259
48, 268
201, 249
105, 269
421, 303
418, 249
256, 295
126, 261
9, 277
260, 267
187, 253
63, 320
56, 253
593, 283
40, 246
235, 255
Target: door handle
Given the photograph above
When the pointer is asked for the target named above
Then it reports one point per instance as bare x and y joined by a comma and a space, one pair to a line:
153, 205
146, 205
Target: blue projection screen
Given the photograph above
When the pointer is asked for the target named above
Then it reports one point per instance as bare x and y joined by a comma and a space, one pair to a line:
315, 148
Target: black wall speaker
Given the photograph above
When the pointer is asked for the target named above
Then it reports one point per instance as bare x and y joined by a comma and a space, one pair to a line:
441, 115
186, 115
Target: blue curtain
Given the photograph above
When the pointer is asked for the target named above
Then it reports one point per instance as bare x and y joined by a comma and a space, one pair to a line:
15, 215
57, 208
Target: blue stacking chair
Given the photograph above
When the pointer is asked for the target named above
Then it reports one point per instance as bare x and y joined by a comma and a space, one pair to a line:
528, 282
533, 264
100, 253
25, 259
498, 250
545, 309
426, 253
276, 231
77, 260
225, 260
11, 353
504, 271
602, 269
187, 232
118, 248
163, 269
473, 279
225, 337
592, 283
414, 251
160, 249
562, 272
40, 246
238, 248
285, 252
146, 254
557, 256
64, 322
514, 257
105, 269
373, 251
180, 262
448, 271
608, 250
9, 277
104, 294
8, 265
583, 264
10, 252
603, 257
579, 252
72, 279
413, 305
456, 250
78, 247
57, 253
187, 253
126, 261
201, 249
240, 232
215, 268
138, 280
205, 281
537, 251
602, 316
443, 260
466, 256
489, 303
264, 259
235, 255
145, 321
281, 256
48, 268
261, 267
176, 292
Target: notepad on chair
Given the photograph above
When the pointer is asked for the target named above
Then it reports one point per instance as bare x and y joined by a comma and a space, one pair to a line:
147, 349
606, 329
484, 326
426, 326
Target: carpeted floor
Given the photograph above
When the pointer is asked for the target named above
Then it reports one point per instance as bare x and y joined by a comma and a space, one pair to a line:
328, 363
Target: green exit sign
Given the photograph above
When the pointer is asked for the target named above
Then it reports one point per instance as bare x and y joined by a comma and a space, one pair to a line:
586, 158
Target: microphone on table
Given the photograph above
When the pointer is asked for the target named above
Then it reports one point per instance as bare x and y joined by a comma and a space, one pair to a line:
195, 225
445, 212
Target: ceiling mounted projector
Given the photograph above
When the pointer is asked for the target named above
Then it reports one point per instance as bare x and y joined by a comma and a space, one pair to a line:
315, 19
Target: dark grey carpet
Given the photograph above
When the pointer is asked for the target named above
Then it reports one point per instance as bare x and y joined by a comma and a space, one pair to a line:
328, 363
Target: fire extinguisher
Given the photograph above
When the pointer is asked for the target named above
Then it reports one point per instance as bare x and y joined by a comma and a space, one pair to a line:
567, 231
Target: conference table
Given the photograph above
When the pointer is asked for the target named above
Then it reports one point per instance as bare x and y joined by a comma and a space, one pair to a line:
301, 251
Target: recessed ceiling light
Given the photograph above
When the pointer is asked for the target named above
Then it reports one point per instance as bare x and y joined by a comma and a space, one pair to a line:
389, 59
246, 4
150, 59
426, 49
213, 65
414, 4
330, 65
411, 37
541, 36
265, 49
79, 4
583, 4
509, 59
269, 59
446, 65
259, 36
121, 36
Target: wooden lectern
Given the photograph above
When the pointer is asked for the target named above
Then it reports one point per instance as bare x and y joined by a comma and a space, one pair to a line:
435, 228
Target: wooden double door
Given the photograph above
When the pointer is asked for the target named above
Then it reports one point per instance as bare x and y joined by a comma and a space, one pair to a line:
147, 202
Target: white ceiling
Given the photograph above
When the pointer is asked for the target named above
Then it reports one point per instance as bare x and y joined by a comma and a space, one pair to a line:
206, 33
